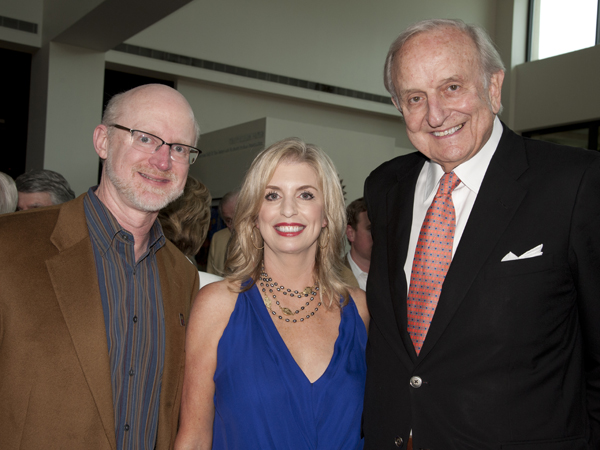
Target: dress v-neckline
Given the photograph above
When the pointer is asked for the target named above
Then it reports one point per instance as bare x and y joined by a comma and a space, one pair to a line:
268, 321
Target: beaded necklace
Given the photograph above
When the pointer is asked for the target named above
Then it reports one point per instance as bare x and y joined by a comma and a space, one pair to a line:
267, 283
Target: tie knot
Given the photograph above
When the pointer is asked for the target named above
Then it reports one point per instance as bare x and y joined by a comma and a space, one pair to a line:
448, 183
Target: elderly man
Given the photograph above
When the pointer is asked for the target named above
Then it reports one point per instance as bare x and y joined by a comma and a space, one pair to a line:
42, 188
93, 327
218, 245
484, 285
358, 233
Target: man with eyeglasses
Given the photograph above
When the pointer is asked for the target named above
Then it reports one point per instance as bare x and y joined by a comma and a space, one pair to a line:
92, 328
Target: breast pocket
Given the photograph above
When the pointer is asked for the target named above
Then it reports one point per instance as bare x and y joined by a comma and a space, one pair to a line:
526, 298
519, 267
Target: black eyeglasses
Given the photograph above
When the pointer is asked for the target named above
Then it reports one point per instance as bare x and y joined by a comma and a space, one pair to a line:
149, 143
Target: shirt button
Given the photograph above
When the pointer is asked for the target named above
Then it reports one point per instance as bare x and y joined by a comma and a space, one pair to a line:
131, 372
126, 427
416, 382
399, 442
135, 319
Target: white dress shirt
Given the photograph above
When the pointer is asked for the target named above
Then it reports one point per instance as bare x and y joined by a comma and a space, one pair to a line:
360, 276
471, 175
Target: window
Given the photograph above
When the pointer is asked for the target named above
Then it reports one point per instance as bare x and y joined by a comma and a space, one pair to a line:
586, 135
559, 26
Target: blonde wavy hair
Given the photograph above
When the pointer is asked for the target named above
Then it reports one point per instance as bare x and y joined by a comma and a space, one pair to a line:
245, 256
185, 221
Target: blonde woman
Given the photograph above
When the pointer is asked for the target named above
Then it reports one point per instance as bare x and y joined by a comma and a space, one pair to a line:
275, 352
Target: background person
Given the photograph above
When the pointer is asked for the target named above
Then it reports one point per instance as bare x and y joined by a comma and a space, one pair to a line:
275, 352
185, 223
483, 286
217, 251
8, 194
39, 188
358, 233
93, 327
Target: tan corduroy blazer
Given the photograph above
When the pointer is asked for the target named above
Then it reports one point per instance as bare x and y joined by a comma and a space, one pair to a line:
55, 385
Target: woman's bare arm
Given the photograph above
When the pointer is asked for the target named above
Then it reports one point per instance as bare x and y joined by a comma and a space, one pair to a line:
209, 317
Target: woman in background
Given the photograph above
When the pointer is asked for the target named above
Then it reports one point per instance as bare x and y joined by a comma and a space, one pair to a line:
275, 352
185, 222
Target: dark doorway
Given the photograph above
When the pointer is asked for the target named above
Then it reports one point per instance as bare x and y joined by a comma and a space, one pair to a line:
14, 110
116, 82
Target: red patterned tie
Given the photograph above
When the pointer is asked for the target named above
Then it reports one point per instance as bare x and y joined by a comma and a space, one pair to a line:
433, 256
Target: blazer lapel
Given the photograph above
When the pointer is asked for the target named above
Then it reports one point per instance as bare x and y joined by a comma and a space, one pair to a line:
497, 201
400, 200
75, 282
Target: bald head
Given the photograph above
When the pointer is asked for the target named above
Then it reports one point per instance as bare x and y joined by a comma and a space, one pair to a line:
148, 95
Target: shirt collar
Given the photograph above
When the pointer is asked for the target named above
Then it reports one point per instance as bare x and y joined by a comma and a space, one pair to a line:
354, 266
472, 171
105, 228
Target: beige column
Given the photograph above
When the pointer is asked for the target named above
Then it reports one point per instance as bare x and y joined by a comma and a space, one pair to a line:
64, 108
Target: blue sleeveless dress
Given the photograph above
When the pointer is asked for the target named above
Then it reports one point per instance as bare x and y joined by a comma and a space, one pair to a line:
264, 401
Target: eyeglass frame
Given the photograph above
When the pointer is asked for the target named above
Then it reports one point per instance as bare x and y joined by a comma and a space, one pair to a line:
191, 155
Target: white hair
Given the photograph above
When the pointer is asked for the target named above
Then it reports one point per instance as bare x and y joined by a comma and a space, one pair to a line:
490, 61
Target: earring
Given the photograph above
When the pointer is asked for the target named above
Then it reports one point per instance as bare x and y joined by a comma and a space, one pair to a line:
252, 239
323, 247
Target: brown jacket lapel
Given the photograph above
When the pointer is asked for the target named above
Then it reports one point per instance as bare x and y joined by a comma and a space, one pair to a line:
75, 282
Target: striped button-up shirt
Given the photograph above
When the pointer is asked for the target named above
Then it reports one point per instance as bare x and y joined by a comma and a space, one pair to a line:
134, 320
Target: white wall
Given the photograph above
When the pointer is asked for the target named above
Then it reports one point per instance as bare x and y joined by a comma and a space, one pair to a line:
354, 154
28, 11
340, 43
559, 90
363, 139
228, 153
218, 107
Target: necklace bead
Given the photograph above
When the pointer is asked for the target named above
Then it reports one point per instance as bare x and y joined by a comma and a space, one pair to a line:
266, 283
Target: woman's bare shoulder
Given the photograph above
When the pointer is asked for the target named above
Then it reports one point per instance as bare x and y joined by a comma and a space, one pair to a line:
224, 290
360, 300
214, 304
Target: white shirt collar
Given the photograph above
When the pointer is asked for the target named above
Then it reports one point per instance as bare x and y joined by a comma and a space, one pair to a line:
354, 266
472, 171
360, 276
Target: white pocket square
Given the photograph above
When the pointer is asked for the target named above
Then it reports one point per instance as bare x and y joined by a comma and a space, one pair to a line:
535, 251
